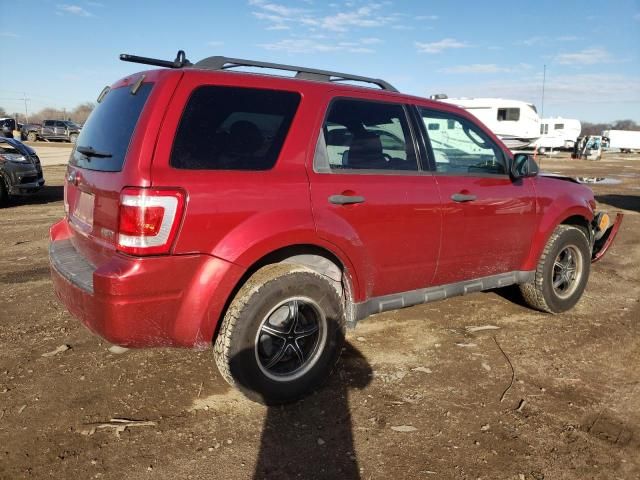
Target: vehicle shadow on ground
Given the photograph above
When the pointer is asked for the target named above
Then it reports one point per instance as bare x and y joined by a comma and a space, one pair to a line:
512, 294
48, 194
313, 438
628, 202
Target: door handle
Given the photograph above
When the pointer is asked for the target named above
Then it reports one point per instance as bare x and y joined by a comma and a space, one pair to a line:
461, 197
345, 199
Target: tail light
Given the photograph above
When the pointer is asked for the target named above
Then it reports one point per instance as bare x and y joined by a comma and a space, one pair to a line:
148, 220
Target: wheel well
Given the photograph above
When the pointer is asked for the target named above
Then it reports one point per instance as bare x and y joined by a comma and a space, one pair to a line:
314, 257
578, 221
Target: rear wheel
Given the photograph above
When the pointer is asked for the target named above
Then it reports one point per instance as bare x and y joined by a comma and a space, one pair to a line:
73, 137
32, 137
562, 272
281, 335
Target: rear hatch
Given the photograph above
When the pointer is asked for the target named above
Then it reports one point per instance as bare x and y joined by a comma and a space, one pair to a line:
113, 151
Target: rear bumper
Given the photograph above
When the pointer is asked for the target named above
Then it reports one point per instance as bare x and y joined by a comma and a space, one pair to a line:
143, 302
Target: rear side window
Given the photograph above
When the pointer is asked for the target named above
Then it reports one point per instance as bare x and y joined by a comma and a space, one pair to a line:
109, 129
230, 128
365, 135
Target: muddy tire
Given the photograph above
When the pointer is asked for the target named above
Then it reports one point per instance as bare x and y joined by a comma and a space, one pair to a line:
562, 272
282, 334
32, 137
4, 194
73, 138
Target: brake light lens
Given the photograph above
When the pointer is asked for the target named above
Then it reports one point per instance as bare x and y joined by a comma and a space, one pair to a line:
148, 220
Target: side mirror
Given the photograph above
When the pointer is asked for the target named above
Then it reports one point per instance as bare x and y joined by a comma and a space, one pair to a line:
523, 165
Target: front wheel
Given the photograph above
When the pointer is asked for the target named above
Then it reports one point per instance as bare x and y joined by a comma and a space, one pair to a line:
32, 137
562, 272
4, 194
73, 137
282, 334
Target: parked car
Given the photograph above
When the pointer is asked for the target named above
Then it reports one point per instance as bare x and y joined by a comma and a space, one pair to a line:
51, 130
20, 170
207, 206
7, 126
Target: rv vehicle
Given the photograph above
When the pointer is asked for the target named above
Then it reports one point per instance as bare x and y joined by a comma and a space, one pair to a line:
625, 140
516, 123
558, 132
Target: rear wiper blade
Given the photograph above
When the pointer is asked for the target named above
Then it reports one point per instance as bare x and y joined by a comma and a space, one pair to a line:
91, 152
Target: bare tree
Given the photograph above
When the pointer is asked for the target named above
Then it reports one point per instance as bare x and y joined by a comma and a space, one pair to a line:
597, 128
625, 125
82, 112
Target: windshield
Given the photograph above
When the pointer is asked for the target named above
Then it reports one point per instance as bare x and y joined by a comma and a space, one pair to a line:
104, 140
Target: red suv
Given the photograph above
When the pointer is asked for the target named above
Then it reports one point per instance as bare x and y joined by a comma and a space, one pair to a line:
264, 214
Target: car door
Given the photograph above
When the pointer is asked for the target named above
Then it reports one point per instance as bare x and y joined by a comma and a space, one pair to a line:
371, 199
488, 219
48, 128
60, 128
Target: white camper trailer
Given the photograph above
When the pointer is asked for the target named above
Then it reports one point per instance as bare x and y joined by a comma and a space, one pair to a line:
625, 140
516, 123
558, 132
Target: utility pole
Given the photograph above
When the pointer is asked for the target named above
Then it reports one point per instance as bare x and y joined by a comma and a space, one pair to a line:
26, 113
544, 79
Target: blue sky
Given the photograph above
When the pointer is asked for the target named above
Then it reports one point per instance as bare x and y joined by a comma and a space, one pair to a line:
62, 52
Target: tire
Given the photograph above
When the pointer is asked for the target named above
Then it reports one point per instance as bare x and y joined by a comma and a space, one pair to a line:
73, 137
282, 334
32, 137
562, 272
4, 194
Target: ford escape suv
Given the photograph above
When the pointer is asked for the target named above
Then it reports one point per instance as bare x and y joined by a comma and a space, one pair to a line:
207, 205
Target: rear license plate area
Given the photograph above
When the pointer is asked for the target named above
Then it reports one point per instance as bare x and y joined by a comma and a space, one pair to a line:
82, 214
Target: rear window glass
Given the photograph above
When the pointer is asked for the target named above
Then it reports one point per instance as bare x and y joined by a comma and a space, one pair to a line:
230, 128
109, 129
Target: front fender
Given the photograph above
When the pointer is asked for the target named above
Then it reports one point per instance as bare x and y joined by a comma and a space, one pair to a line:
551, 215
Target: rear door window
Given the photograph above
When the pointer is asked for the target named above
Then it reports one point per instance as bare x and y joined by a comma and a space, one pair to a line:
109, 130
365, 135
231, 128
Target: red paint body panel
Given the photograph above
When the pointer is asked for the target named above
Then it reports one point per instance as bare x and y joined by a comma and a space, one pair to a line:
489, 235
151, 301
557, 200
407, 235
393, 238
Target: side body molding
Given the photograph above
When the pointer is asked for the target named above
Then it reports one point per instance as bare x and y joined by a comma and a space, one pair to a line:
425, 295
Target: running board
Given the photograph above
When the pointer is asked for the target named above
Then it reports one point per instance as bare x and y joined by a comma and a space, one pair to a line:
396, 301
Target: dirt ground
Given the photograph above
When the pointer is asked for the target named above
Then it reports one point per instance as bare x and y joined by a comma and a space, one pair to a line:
417, 395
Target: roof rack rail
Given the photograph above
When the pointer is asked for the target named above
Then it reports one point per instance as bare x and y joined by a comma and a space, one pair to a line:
180, 61
226, 63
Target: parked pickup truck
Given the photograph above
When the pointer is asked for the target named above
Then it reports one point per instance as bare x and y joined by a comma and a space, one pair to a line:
51, 130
